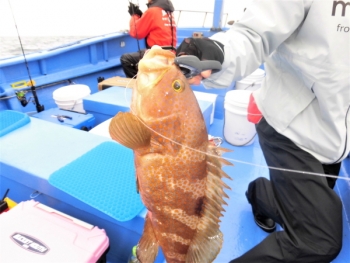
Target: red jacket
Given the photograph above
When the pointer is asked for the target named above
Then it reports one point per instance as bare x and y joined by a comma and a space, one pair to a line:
155, 26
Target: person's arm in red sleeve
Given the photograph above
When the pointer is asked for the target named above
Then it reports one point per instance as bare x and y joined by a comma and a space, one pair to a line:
140, 27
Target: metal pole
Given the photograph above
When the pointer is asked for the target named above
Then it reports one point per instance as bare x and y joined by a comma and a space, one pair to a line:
218, 6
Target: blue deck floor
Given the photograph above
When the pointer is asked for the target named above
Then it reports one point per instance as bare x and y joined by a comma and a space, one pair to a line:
238, 226
29, 170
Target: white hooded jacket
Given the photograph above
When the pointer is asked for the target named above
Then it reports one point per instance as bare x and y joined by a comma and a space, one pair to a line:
306, 49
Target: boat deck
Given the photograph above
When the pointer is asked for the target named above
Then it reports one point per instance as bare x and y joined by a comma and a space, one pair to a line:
238, 226
27, 164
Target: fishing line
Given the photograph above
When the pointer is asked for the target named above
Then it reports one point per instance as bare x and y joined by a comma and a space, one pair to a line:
39, 107
231, 159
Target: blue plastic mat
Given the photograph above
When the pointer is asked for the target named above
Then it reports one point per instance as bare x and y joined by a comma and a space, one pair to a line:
12, 120
104, 178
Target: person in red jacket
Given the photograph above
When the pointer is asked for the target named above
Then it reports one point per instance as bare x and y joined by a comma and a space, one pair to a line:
157, 25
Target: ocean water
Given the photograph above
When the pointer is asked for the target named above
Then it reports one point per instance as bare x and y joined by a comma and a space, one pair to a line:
10, 46
42, 24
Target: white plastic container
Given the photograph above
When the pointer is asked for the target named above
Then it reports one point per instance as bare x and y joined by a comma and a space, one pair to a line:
71, 97
207, 97
238, 131
251, 82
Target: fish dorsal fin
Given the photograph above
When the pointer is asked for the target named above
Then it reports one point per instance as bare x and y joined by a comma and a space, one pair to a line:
129, 131
208, 239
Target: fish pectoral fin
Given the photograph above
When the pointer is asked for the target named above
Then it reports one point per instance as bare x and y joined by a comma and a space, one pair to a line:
147, 248
128, 130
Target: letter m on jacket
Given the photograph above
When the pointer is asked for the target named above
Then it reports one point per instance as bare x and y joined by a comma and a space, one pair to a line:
343, 7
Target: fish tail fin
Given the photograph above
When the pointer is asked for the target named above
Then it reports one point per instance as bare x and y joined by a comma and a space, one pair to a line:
147, 248
204, 248
208, 239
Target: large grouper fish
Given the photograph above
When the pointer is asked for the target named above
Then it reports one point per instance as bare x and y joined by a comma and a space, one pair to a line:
178, 172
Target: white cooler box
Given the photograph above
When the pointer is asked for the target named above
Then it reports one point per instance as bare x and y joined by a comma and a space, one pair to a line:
33, 232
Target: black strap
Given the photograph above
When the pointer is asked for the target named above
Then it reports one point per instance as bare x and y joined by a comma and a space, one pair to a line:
168, 48
172, 30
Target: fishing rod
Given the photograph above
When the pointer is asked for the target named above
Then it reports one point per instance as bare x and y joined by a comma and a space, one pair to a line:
137, 37
21, 95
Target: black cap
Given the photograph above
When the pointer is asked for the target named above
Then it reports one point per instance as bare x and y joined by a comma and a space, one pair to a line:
189, 47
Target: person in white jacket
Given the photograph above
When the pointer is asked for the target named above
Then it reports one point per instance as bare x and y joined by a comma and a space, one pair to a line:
304, 129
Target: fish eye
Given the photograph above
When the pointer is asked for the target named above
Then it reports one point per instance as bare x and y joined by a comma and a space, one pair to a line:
178, 85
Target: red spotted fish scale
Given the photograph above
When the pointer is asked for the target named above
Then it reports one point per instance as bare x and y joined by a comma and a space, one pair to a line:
178, 172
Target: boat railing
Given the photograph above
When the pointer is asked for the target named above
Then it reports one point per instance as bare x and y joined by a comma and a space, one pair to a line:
205, 16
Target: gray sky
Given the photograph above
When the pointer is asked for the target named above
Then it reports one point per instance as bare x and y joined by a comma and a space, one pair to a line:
94, 17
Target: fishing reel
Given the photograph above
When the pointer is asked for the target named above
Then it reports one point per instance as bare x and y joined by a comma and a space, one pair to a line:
191, 66
21, 96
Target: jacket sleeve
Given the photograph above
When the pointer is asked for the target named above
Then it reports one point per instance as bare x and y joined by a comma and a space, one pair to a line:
264, 26
140, 27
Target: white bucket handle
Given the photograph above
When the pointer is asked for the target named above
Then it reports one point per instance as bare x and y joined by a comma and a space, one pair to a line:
251, 85
75, 102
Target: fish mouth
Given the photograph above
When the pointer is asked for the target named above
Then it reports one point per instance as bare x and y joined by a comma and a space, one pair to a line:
153, 66
146, 81
156, 59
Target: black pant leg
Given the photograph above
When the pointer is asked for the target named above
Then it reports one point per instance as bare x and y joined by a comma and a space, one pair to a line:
263, 206
331, 169
130, 61
310, 211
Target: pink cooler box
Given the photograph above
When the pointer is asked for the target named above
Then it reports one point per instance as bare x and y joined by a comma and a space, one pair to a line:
33, 232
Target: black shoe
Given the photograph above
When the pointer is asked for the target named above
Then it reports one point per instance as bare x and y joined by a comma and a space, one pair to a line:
265, 223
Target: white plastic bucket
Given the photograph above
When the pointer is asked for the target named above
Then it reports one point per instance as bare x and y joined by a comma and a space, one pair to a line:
238, 131
251, 82
71, 97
